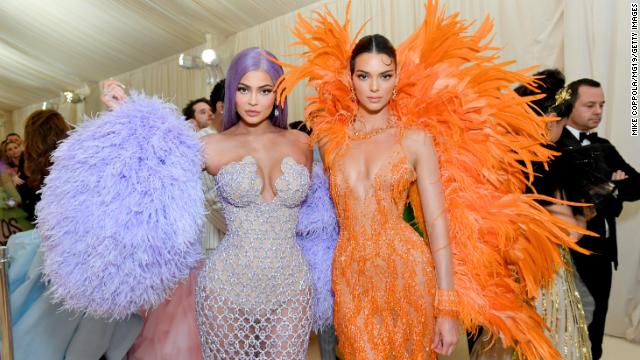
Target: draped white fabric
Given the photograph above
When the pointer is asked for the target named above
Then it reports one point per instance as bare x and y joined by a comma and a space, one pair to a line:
50, 46
582, 38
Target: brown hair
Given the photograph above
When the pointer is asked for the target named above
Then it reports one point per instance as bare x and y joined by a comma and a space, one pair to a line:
373, 44
43, 131
4, 155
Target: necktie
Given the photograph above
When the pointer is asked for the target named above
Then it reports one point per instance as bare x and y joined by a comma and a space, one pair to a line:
588, 136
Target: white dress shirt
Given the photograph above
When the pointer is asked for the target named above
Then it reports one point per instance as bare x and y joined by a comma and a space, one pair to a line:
575, 132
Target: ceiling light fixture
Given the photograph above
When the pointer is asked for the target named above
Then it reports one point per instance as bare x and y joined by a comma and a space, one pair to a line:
75, 96
208, 60
209, 57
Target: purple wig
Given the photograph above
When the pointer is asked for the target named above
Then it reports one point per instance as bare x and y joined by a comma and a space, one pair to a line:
247, 60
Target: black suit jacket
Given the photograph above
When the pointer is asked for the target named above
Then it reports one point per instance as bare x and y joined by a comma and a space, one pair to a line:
585, 169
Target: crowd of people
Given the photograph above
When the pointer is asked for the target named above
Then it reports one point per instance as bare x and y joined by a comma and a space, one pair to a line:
494, 220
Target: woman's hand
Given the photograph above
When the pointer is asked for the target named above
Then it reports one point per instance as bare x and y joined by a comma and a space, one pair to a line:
112, 94
446, 335
16, 180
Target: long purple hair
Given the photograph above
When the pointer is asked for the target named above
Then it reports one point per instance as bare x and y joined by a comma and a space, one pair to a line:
247, 60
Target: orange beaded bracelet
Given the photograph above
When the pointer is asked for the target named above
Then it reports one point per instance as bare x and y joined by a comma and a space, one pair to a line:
447, 303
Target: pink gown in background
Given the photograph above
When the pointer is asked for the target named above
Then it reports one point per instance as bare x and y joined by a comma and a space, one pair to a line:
170, 331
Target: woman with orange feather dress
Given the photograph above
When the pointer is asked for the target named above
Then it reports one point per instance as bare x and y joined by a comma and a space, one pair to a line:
436, 123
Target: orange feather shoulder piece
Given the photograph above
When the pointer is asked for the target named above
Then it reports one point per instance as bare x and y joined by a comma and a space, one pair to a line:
505, 246
326, 66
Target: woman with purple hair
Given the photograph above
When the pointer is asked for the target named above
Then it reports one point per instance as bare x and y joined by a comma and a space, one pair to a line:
254, 294
262, 289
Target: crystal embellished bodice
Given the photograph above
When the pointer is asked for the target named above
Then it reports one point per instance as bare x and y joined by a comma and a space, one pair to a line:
253, 298
259, 254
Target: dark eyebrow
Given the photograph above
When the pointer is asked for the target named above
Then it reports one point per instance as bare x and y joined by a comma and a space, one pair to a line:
367, 73
260, 87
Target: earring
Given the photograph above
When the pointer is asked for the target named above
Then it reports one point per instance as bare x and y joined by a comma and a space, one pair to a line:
394, 93
353, 95
276, 112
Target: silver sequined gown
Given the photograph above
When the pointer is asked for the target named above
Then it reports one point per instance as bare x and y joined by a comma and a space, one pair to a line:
253, 297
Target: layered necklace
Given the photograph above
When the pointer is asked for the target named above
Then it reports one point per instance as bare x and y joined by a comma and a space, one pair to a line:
367, 134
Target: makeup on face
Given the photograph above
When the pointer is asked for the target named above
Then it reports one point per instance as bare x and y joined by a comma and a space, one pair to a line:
255, 97
374, 79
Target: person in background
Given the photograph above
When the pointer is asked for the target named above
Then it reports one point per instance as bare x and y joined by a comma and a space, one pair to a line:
13, 218
198, 113
44, 129
14, 137
216, 100
41, 330
596, 174
12, 152
559, 304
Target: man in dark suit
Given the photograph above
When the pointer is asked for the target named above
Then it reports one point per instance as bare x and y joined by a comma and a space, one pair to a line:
596, 174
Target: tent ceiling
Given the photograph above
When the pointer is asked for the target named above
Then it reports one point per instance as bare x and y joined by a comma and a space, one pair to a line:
50, 46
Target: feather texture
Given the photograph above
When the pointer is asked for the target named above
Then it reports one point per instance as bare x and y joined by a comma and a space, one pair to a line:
317, 235
451, 85
122, 209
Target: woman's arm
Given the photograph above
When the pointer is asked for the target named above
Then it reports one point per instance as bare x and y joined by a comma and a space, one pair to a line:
421, 152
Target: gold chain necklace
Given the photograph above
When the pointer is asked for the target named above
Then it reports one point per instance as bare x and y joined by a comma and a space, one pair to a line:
367, 134
363, 135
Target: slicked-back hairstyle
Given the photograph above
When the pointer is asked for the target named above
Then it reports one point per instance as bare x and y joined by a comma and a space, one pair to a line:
217, 94
247, 60
550, 81
373, 44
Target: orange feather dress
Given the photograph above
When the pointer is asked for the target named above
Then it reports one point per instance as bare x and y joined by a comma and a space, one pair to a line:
504, 245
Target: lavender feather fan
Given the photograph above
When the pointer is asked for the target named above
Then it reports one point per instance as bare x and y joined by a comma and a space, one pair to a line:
317, 235
121, 211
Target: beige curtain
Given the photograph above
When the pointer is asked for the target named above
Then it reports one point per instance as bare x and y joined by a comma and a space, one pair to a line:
166, 79
72, 113
163, 78
5, 122
530, 40
530, 32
